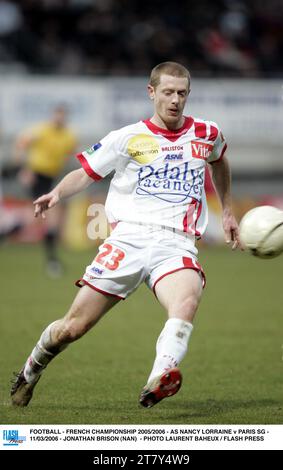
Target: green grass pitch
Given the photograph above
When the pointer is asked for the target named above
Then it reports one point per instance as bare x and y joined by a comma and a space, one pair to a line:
233, 372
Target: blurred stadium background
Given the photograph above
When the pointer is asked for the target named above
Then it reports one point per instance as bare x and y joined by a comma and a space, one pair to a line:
95, 56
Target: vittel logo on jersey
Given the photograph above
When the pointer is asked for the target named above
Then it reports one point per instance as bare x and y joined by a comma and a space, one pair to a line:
173, 156
201, 150
171, 183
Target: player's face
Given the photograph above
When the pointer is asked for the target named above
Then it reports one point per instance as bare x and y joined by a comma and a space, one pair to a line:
59, 117
170, 97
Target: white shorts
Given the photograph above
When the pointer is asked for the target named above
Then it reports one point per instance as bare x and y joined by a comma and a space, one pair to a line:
135, 253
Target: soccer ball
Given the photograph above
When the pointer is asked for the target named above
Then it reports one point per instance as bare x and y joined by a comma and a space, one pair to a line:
261, 231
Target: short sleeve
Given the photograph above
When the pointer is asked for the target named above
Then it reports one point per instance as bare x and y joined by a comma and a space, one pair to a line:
219, 144
101, 158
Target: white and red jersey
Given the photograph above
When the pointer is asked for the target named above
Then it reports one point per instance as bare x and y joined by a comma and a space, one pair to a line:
159, 174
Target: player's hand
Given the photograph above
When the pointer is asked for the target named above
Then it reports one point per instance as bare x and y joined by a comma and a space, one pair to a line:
45, 202
231, 229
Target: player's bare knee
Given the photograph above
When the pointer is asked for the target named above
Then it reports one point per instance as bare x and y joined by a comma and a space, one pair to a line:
186, 308
190, 305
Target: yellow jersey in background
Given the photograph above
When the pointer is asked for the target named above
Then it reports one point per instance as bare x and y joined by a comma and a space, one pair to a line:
50, 148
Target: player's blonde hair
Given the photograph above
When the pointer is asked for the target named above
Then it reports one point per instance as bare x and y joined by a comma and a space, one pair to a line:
168, 68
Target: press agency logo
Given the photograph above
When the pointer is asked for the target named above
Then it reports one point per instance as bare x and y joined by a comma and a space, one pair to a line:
11, 437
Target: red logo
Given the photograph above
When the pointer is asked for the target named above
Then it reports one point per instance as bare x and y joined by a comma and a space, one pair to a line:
201, 150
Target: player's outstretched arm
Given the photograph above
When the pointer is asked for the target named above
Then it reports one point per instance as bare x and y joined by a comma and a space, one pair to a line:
222, 180
72, 183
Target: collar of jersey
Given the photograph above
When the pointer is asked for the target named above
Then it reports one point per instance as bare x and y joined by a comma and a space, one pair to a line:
170, 134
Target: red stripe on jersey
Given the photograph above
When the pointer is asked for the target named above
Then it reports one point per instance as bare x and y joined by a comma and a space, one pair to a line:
171, 135
221, 156
213, 133
200, 130
223, 151
197, 219
188, 220
87, 168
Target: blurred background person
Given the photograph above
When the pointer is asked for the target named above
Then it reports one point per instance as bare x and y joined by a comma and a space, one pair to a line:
43, 151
